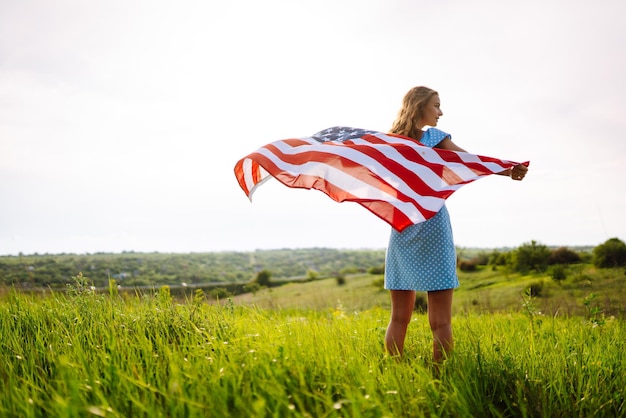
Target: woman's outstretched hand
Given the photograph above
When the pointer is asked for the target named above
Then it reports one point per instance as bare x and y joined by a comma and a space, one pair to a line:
519, 172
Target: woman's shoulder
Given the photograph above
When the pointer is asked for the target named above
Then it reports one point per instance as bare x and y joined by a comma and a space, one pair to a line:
433, 136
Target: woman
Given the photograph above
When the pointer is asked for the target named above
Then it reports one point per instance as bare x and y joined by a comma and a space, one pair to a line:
423, 257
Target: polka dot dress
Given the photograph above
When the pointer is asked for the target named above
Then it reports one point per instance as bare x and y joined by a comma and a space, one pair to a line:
422, 257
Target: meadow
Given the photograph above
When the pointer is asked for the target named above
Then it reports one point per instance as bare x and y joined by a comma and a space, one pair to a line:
313, 350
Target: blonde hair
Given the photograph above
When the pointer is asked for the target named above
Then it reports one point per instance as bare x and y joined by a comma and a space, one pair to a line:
411, 112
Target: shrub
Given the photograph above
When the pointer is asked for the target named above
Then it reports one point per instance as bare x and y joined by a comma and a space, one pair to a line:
421, 304
535, 289
558, 272
482, 259
252, 287
496, 258
220, 293
263, 278
531, 256
467, 265
377, 270
379, 283
341, 280
349, 270
610, 254
563, 255
312, 274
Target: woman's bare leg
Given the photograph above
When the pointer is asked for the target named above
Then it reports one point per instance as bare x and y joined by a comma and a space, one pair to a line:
440, 319
402, 305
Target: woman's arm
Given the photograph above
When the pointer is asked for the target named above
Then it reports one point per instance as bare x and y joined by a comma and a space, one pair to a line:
449, 145
516, 173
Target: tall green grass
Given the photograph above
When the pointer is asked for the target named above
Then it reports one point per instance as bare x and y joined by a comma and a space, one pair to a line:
86, 354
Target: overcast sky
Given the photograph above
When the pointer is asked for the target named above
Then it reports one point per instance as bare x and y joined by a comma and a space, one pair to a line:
121, 121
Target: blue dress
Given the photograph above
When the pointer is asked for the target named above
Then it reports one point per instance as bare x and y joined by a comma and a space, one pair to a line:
422, 257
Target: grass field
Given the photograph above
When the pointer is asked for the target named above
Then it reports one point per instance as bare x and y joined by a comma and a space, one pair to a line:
311, 349
484, 291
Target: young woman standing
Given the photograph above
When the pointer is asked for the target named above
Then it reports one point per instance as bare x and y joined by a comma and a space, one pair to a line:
422, 257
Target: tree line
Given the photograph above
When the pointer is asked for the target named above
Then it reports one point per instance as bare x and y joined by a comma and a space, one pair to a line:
130, 269
538, 258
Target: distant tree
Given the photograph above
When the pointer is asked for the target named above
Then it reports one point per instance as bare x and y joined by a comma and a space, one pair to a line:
312, 274
348, 270
341, 279
563, 255
496, 258
531, 256
610, 254
467, 266
481, 259
377, 270
252, 287
263, 278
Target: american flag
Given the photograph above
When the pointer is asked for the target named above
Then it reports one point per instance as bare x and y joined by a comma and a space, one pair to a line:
398, 179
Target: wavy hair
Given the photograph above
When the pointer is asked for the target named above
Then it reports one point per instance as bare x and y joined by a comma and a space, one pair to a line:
411, 112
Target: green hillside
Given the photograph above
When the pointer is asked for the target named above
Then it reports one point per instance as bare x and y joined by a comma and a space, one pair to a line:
588, 292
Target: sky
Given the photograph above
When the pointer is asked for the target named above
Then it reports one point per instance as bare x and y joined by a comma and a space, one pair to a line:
121, 121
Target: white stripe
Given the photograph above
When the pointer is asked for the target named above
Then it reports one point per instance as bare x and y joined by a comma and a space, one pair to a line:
264, 176
247, 174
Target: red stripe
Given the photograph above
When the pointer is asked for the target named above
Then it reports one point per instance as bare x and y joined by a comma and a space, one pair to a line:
239, 174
